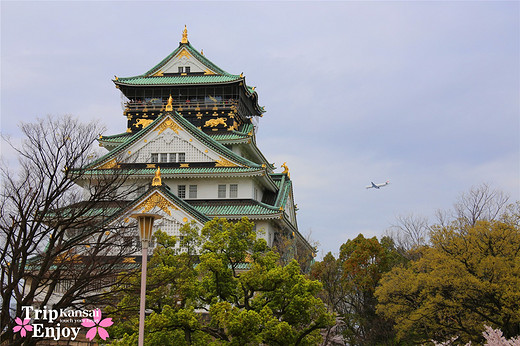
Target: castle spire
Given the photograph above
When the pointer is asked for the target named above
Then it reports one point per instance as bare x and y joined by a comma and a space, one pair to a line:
185, 35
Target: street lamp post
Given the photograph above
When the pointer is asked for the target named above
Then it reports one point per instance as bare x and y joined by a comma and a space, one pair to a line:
145, 222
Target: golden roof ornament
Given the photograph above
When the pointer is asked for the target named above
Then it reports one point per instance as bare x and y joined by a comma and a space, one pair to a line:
157, 179
169, 106
185, 35
286, 170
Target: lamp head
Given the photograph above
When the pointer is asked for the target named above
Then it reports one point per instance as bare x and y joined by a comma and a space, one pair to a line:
145, 223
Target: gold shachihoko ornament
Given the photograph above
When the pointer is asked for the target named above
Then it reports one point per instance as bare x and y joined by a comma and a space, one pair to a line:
157, 179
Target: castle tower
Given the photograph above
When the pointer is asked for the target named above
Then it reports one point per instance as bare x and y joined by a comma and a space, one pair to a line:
191, 130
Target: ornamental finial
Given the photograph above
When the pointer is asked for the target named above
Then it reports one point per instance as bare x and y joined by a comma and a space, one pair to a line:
286, 170
157, 179
185, 35
169, 105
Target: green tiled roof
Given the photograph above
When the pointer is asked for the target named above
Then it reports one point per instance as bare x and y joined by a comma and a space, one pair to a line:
147, 78
176, 80
229, 136
177, 171
119, 138
219, 77
236, 210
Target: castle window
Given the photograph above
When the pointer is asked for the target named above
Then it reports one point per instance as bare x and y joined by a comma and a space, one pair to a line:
181, 191
222, 191
181, 69
187, 69
181, 157
233, 190
163, 157
173, 157
193, 191
155, 158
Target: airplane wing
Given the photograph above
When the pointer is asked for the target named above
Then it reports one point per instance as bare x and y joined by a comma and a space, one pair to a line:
373, 186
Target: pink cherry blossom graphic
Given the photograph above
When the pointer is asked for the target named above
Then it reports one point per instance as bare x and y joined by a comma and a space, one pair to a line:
22, 326
96, 327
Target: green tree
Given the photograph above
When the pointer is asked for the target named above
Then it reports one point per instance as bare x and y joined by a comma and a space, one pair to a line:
349, 284
468, 277
225, 287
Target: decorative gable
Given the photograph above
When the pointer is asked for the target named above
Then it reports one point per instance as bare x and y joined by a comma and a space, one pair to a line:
182, 60
174, 212
169, 138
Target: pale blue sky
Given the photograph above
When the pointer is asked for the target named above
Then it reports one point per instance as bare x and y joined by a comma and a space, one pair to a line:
425, 94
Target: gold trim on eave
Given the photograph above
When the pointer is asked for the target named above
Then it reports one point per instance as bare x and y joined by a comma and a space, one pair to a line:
109, 165
157, 200
224, 163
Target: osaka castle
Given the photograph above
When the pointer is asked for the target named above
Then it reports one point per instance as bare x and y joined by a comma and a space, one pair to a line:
191, 149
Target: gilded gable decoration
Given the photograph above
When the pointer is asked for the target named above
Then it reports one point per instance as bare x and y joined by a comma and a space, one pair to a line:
225, 163
109, 165
157, 200
184, 53
168, 124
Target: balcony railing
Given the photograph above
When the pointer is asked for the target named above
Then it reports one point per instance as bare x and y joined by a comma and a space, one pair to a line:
160, 105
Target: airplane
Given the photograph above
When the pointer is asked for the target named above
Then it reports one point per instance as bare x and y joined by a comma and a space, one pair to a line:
378, 186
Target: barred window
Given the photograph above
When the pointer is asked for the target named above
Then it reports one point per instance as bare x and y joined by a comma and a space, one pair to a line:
181, 191
233, 190
193, 191
182, 157
164, 158
173, 157
155, 157
222, 191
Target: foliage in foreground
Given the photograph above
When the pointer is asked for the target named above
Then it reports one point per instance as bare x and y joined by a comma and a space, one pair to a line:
467, 278
349, 284
230, 291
